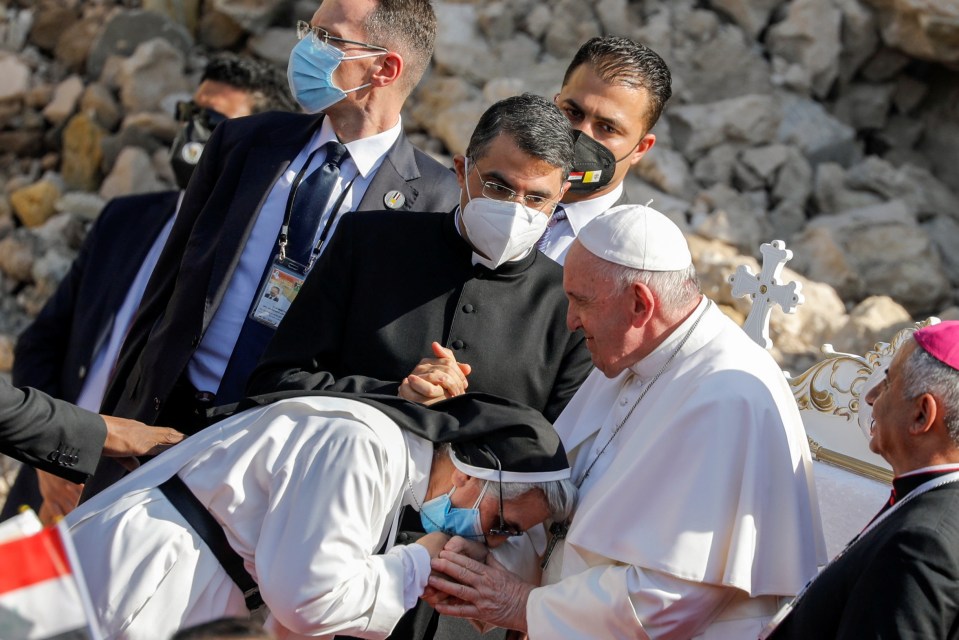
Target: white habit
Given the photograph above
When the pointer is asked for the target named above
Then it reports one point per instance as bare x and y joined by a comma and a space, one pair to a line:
702, 509
307, 490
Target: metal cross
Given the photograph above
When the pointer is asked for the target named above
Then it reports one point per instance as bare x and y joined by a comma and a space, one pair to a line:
766, 289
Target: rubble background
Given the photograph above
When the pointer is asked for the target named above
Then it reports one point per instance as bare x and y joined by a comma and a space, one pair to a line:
830, 124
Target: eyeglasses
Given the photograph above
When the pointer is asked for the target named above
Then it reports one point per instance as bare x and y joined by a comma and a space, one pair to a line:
189, 110
320, 34
497, 191
503, 529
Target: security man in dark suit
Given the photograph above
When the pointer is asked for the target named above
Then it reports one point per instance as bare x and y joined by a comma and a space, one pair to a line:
266, 198
899, 578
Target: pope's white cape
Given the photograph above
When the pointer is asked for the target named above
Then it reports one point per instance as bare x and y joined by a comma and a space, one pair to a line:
709, 481
721, 490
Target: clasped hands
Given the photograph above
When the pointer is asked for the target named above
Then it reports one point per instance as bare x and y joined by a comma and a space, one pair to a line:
468, 582
435, 379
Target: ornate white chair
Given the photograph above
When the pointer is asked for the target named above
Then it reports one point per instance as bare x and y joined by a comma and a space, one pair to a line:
852, 482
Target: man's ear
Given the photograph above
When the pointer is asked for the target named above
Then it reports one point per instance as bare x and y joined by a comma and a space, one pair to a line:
642, 303
926, 413
459, 166
389, 70
645, 144
459, 478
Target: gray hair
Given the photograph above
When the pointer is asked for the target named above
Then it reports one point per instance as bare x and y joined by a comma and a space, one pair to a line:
560, 495
922, 373
673, 289
535, 124
406, 26
624, 62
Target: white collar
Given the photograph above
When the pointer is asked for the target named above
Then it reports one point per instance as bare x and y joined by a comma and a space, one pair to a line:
930, 469
580, 213
366, 153
648, 366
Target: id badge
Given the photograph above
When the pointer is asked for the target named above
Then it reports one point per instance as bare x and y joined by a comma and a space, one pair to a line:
280, 287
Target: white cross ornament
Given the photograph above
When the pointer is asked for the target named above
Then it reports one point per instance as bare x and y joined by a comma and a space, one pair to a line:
766, 289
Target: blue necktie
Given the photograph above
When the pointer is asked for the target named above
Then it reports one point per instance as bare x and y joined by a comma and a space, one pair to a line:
310, 200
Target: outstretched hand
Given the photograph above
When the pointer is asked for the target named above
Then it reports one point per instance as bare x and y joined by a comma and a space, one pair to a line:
437, 378
127, 439
486, 592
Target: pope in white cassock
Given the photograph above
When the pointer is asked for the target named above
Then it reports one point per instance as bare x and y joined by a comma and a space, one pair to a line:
696, 507
307, 491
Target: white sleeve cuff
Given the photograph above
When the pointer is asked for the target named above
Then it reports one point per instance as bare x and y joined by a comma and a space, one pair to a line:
416, 570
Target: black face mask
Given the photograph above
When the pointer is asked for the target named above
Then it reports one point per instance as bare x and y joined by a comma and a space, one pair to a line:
190, 140
593, 164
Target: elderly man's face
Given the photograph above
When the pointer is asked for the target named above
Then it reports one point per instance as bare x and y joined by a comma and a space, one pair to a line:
891, 410
519, 514
601, 311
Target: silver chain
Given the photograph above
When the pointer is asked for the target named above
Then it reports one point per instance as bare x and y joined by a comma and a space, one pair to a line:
559, 529
662, 369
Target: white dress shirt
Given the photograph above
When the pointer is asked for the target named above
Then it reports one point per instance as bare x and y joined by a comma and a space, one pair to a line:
95, 384
560, 236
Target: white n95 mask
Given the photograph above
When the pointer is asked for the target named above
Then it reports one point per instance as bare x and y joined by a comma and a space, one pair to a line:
501, 230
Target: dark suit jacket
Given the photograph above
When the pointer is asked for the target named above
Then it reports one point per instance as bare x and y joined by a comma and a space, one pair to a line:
239, 165
49, 434
54, 353
900, 580
388, 286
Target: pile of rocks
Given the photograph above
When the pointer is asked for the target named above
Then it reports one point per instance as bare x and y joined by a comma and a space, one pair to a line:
830, 124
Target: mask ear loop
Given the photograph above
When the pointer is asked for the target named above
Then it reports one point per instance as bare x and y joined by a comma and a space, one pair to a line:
466, 178
481, 495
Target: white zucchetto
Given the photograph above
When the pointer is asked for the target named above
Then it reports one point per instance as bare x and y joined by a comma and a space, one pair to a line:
636, 236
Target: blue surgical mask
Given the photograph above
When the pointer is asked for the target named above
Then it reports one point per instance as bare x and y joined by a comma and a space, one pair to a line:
310, 74
439, 514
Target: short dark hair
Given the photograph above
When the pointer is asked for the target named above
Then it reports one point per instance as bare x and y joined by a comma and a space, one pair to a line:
625, 62
223, 629
535, 124
406, 26
266, 84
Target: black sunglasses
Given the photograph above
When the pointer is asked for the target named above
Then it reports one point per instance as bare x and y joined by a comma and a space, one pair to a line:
189, 110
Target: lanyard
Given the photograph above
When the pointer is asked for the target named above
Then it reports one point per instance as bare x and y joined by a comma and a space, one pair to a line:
288, 212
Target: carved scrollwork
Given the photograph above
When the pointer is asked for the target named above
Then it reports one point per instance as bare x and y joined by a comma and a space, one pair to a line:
834, 385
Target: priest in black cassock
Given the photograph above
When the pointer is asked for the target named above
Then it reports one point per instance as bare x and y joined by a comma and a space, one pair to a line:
899, 578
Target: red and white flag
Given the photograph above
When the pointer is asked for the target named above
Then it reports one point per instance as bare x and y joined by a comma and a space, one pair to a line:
42, 593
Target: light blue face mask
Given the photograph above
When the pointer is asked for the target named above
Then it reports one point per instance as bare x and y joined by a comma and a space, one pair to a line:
439, 514
310, 74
